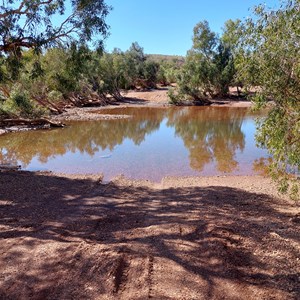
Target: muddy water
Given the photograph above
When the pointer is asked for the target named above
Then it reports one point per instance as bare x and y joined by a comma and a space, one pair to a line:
153, 143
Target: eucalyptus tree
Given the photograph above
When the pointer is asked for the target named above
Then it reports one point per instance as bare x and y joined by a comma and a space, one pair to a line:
34, 23
107, 74
208, 70
233, 31
273, 37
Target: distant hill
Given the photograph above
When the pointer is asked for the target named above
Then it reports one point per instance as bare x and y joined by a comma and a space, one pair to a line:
168, 58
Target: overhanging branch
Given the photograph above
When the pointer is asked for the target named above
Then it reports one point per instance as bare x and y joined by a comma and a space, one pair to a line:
19, 10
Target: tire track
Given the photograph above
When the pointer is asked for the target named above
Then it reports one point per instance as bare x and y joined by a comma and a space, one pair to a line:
150, 275
120, 274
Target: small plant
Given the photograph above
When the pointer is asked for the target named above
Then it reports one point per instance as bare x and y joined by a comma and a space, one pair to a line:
19, 104
174, 99
55, 96
23, 103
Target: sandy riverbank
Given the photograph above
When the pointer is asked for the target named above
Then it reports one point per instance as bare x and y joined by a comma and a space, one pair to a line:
152, 98
71, 237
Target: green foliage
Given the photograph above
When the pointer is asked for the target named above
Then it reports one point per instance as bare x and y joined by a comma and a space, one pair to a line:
139, 71
204, 40
55, 96
208, 70
107, 77
232, 32
168, 71
30, 24
224, 70
128, 70
19, 104
273, 37
168, 67
76, 74
21, 101
53, 75
174, 98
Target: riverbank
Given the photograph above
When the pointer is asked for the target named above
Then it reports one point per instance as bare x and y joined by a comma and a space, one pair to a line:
152, 98
74, 237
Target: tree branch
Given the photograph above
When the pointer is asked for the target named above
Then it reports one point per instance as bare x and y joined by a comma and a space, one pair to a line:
19, 11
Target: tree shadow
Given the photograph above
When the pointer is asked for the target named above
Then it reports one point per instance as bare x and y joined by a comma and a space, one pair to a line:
131, 100
65, 238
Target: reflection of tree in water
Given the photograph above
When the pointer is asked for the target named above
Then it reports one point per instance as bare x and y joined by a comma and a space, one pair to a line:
261, 165
85, 137
210, 134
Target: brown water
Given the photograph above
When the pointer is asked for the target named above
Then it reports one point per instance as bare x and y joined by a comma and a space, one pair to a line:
154, 143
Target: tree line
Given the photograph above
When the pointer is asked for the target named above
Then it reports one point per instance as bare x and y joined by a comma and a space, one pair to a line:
77, 76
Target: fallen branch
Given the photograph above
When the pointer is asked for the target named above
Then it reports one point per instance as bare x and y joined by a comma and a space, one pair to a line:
33, 122
48, 104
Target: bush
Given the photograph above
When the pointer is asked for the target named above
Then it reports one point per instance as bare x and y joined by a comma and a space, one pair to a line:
173, 97
19, 104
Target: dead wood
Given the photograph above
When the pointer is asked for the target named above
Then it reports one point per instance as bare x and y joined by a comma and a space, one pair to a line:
32, 122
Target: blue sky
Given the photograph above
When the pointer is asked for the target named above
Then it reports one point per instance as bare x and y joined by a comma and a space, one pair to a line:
166, 26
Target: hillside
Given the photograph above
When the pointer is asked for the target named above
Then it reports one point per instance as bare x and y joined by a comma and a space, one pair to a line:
166, 58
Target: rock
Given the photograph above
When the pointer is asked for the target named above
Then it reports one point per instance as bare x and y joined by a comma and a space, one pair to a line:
2, 131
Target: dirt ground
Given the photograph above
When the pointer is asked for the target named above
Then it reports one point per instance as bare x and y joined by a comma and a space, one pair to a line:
184, 238
160, 97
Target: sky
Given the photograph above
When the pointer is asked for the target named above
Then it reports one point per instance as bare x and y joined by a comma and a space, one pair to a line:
166, 26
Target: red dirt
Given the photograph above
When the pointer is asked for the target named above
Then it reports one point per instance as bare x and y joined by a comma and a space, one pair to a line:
160, 97
189, 238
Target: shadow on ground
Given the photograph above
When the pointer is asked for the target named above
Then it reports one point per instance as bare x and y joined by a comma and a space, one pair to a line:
67, 238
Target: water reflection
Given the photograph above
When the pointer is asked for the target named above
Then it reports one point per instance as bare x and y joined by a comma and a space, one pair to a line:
85, 137
154, 143
210, 135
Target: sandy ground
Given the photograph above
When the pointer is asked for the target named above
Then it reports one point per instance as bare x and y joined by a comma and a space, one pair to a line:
184, 238
160, 97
